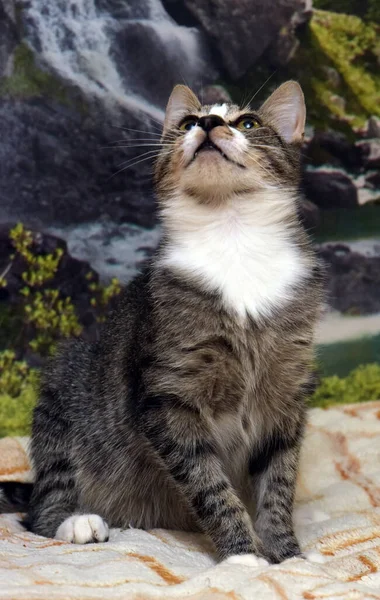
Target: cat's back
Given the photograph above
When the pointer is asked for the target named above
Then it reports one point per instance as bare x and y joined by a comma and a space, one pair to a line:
77, 375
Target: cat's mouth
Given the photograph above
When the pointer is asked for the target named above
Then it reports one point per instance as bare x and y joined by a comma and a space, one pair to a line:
208, 145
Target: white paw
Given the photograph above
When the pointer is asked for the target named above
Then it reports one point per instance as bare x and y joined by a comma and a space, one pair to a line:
83, 529
314, 557
248, 560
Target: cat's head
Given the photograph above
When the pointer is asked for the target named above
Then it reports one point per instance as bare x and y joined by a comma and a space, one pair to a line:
214, 152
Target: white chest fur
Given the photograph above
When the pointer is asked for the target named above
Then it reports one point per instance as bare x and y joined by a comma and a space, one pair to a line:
244, 251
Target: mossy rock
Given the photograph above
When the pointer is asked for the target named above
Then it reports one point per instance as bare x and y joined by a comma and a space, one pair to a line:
336, 64
30, 81
353, 48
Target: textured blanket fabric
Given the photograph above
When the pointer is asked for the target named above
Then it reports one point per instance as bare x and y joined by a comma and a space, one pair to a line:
337, 515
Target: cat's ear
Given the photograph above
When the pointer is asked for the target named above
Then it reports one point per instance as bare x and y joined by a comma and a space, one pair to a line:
285, 111
182, 102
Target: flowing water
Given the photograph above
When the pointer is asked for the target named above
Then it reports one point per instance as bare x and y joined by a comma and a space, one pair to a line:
94, 45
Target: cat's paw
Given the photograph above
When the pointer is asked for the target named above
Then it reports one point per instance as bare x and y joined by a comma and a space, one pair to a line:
83, 529
248, 560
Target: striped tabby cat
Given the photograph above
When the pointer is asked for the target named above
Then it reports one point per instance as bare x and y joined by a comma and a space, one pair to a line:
189, 412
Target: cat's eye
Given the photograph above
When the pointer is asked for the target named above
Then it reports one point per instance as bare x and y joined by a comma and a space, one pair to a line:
188, 124
246, 123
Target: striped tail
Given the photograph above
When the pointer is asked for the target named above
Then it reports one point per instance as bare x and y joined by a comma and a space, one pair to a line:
15, 496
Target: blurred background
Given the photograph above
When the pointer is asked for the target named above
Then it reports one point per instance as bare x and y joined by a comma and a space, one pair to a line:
83, 87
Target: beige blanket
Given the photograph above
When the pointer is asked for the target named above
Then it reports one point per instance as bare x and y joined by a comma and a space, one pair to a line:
337, 515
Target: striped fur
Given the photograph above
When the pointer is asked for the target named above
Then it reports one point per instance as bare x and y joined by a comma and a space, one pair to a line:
188, 413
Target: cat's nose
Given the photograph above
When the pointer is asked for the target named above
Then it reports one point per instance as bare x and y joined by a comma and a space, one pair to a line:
209, 122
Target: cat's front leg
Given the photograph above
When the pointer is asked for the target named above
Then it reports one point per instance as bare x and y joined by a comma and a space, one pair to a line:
180, 436
274, 469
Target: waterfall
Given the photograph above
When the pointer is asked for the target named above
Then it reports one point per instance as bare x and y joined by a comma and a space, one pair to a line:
125, 53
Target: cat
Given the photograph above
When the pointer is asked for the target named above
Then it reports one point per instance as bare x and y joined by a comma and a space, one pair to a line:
189, 411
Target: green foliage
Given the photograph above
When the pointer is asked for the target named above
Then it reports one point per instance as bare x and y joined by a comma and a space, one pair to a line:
16, 413
42, 316
15, 375
18, 392
102, 295
373, 11
45, 315
52, 318
361, 385
40, 269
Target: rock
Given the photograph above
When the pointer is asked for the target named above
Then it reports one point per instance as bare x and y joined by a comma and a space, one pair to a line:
339, 102
283, 48
242, 31
333, 77
215, 94
373, 127
371, 153
96, 73
353, 280
329, 189
333, 148
8, 38
151, 55
309, 215
373, 180
58, 167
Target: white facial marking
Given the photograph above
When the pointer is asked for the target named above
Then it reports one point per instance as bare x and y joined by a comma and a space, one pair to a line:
83, 529
219, 109
247, 560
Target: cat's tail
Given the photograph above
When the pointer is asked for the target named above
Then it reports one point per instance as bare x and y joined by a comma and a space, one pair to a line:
15, 496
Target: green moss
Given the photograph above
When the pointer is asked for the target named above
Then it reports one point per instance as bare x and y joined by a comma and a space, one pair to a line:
337, 66
16, 413
350, 47
353, 48
361, 385
28, 80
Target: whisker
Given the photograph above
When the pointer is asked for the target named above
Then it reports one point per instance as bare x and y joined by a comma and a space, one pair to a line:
261, 87
131, 160
156, 121
137, 130
266, 146
260, 165
128, 166
157, 144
